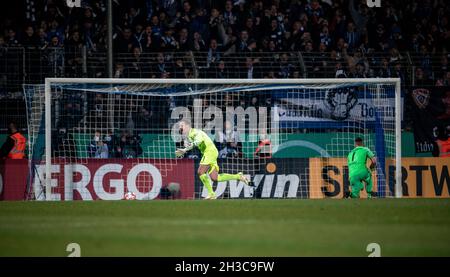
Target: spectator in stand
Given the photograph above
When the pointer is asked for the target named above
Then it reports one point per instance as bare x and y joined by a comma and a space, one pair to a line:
295, 36
215, 24
119, 70
148, 42
43, 38
200, 22
157, 30
136, 68
102, 151
419, 27
183, 40
229, 17
30, 40
56, 30
444, 81
285, 68
213, 54
352, 38
161, 69
138, 34
12, 41
110, 140
385, 70
276, 34
188, 74
179, 68
338, 23
420, 79
133, 17
249, 70
252, 29
396, 40
340, 71
94, 145
164, 21
321, 62
425, 60
73, 55
360, 71
143, 119
242, 43
55, 42
170, 7
325, 37
443, 67
395, 56
198, 44
379, 41
399, 72
360, 15
168, 41
219, 71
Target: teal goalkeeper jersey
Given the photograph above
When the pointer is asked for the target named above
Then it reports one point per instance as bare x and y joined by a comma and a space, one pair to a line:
201, 140
357, 159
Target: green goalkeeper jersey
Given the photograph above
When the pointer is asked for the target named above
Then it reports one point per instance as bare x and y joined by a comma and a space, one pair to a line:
357, 159
201, 140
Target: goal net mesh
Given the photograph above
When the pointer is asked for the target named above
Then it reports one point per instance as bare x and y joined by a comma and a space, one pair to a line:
290, 140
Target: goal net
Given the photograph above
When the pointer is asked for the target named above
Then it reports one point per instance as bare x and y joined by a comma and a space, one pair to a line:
101, 138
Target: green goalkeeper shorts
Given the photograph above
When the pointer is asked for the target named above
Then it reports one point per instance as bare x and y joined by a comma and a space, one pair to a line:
210, 158
357, 177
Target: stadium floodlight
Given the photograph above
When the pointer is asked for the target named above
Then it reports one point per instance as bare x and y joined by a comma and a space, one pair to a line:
281, 122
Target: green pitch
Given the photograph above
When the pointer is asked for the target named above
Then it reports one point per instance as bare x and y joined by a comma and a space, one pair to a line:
402, 227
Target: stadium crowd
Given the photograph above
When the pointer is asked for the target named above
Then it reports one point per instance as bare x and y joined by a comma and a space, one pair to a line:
334, 38
409, 39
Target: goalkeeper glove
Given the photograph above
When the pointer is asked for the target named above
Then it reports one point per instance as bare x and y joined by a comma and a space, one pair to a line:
180, 153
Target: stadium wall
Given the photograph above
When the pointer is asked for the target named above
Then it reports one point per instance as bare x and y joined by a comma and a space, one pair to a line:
317, 178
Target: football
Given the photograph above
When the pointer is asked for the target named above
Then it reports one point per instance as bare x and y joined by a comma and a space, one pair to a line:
130, 196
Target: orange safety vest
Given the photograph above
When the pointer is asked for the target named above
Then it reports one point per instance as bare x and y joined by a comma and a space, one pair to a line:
444, 147
18, 151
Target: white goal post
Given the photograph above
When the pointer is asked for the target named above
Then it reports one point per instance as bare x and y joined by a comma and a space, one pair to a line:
394, 82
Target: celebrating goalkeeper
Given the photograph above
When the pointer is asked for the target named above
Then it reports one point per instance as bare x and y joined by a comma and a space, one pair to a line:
208, 164
358, 171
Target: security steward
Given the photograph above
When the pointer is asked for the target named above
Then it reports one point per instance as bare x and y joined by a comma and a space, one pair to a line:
14, 146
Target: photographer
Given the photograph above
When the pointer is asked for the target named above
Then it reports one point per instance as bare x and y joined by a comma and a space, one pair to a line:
129, 146
98, 148
65, 144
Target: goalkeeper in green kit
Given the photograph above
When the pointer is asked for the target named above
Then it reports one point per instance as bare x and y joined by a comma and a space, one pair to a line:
208, 164
358, 171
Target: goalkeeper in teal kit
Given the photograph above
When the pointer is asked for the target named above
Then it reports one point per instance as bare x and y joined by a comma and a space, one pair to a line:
208, 164
358, 171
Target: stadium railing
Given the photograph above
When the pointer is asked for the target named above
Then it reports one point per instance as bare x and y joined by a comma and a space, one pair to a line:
19, 65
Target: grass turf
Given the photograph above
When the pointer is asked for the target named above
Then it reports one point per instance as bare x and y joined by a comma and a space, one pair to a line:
402, 227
